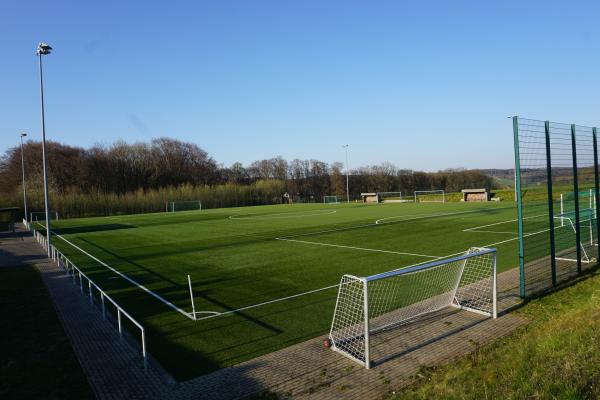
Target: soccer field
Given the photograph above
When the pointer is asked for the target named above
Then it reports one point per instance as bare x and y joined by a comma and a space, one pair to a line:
241, 257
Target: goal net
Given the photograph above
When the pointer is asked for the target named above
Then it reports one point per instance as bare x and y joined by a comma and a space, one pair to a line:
330, 200
369, 305
392, 197
430, 196
173, 206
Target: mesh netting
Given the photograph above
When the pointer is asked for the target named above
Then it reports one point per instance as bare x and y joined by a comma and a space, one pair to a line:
398, 297
348, 327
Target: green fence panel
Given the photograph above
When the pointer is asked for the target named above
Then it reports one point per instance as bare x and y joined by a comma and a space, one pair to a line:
557, 197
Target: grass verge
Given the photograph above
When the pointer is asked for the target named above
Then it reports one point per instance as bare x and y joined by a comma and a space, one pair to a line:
557, 356
37, 359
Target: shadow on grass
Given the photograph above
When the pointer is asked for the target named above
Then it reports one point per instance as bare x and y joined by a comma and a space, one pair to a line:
90, 229
181, 289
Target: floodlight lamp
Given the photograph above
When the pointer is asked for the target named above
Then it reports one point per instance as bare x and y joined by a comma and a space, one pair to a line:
43, 48
23, 134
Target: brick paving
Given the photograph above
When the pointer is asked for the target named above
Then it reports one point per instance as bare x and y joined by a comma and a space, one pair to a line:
305, 370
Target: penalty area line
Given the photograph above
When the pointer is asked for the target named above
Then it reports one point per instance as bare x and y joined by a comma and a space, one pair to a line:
357, 248
231, 312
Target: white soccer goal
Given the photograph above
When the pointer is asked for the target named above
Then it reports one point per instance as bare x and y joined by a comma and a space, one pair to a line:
392, 197
41, 216
368, 305
430, 196
567, 202
587, 219
330, 200
173, 206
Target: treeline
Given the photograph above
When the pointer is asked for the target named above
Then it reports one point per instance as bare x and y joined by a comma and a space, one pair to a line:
141, 177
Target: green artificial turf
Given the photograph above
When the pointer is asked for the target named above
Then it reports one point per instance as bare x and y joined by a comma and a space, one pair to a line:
37, 360
235, 260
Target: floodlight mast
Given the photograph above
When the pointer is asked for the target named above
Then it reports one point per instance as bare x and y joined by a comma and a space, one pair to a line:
42, 50
347, 191
23, 173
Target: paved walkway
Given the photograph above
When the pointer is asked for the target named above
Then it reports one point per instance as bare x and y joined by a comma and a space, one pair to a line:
305, 370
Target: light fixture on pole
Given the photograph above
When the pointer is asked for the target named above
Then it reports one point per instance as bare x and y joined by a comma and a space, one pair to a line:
23, 171
347, 186
42, 50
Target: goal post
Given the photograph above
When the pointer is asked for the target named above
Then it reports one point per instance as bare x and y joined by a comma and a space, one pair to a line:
430, 196
368, 305
330, 200
187, 205
392, 197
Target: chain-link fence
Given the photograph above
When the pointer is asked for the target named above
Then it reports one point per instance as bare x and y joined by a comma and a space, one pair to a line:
557, 200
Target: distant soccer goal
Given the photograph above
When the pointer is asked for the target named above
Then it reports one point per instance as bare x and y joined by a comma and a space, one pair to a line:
587, 200
430, 196
41, 216
173, 206
330, 200
368, 305
392, 197
588, 240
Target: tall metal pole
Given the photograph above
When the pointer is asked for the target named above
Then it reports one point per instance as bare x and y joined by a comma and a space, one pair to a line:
44, 49
23, 171
347, 185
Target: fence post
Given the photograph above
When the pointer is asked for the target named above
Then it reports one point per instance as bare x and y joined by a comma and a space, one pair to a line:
596, 187
103, 306
144, 348
550, 203
519, 207
119, 323
91, 294
576, 190
80, 282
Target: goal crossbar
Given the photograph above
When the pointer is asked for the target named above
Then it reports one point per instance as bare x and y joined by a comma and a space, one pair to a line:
330, 200
368, 305
392, 197
436, 193
184, 205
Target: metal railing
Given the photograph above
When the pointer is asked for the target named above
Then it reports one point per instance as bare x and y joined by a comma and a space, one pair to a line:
82, 280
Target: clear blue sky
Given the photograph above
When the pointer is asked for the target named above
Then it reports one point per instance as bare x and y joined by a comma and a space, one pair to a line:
425, 85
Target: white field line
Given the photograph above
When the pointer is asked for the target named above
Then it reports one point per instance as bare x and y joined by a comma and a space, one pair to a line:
230, 312
139, 285
237, 310
412, 217
219, 314
416, 217
214, 314
504, 232
283, 215
476, 228
357, 248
